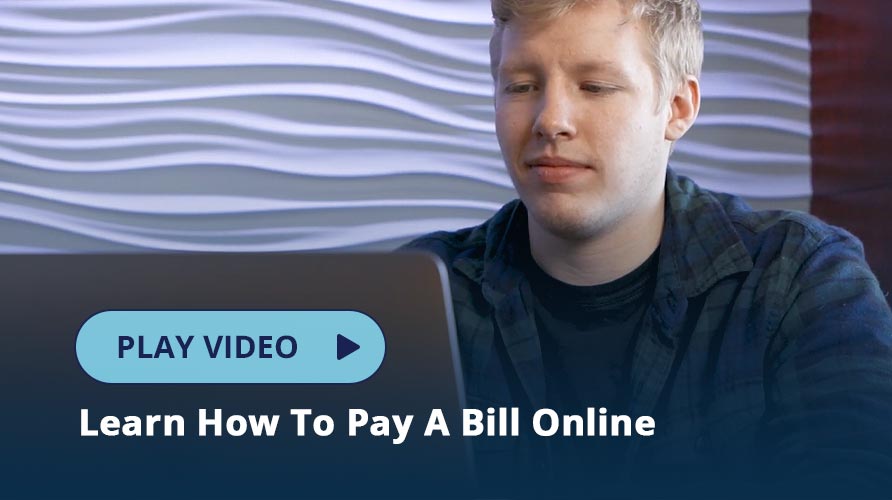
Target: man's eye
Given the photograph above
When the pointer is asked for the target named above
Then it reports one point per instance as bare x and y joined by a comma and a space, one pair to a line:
519, 88
594, 88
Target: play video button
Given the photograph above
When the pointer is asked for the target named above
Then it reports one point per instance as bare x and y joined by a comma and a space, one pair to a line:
233, 347
346, 347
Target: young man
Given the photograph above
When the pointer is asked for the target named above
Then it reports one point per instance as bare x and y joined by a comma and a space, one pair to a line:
760, 342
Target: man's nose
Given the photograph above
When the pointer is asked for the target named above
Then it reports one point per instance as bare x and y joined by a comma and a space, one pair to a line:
555, 119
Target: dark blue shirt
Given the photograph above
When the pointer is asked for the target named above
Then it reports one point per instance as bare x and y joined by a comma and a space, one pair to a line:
765, 355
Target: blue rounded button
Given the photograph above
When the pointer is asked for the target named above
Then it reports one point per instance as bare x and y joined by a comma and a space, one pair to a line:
230, 347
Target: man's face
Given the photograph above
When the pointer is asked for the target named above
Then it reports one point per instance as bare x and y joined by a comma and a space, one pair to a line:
577, 120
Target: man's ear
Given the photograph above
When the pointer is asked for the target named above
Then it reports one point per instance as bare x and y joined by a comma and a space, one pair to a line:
684, 107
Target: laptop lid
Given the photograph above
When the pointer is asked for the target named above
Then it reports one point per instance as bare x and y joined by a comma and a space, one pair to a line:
53, 306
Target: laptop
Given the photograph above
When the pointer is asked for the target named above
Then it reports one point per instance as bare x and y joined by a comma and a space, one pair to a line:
53, 306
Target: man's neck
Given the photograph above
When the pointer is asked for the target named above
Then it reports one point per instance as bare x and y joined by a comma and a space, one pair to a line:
607, 257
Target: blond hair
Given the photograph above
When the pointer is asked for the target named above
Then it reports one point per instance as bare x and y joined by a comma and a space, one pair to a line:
674, 27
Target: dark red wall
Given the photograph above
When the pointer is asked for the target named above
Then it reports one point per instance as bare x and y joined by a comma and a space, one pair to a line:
852, 122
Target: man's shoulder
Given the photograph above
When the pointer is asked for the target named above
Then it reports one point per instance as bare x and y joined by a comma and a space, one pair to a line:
771, 234
778, 256
449, 244
470, 243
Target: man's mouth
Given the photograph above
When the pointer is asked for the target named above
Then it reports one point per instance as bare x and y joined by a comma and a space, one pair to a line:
554, 162
556, 169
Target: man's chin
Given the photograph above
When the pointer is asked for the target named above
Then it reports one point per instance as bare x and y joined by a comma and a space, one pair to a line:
566, 223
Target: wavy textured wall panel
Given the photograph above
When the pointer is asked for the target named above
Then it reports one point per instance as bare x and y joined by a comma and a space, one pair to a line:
271, 126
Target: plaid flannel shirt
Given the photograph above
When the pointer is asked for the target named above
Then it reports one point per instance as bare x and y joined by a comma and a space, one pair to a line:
766, 352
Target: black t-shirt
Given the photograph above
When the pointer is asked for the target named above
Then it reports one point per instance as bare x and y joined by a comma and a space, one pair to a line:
587, 334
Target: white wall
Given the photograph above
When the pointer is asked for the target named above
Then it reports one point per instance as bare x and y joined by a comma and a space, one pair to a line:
270, 125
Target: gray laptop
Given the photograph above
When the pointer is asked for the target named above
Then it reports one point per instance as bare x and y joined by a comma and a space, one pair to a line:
46, 300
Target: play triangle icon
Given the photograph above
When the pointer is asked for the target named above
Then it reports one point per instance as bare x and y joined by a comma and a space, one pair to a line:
346, 347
